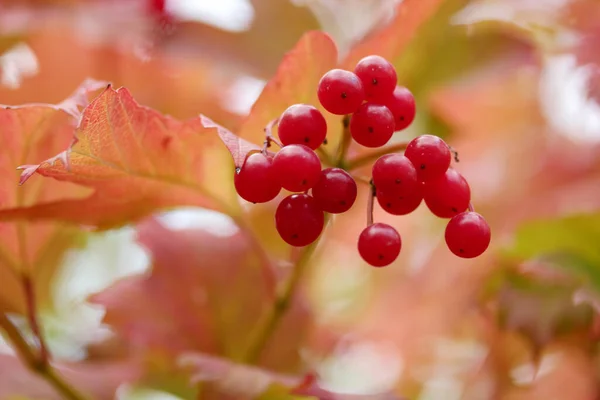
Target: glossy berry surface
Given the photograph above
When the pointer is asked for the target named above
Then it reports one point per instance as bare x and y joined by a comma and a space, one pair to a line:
378, 77
340, 92
468, 235
372, 125
302, 124
394, 173
402, 105
400, 203
255, 181
430, 155
299, 220
447, 196
379, 244
335, 191
297, 167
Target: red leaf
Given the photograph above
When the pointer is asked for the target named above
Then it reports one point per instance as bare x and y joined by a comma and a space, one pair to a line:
238, 147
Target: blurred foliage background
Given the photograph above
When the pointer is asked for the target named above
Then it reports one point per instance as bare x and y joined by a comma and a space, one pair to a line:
514, 86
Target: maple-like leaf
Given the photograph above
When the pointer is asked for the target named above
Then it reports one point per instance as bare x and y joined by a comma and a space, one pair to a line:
205, 294
27, 249
135, 160
294, 82
238, 147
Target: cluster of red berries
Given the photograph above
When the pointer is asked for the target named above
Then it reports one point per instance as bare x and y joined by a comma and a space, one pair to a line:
376, 107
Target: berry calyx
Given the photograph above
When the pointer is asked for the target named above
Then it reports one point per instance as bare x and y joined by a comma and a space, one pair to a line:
335, 191
447, 196
402, 105
394, 173
378, 77
255, 181
430, 155
372, 125
298, 220
302, 124
340, 92
379, 244
468, 235
297, 167
400, 203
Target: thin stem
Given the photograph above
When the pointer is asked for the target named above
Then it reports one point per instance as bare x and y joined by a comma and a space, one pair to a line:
374, 155
325, 157
345, 142
471, 208
370, 202
34, 325
269, 322
269, 138
35, 363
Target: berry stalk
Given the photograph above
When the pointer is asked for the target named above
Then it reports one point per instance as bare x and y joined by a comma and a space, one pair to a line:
370, 157
370, 203
345, 142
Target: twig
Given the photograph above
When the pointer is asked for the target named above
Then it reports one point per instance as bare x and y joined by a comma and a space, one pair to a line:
374, 155
345, 142
372, 194
34, 325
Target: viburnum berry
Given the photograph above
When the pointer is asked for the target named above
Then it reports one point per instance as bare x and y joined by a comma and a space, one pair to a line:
379, 244
372, 125
394, 173
400, 203
335, 191
468, 235
255, 181
340, 92
430, 155
378, 77
299, 220
297, 167
447, 196
402, 105
302, 124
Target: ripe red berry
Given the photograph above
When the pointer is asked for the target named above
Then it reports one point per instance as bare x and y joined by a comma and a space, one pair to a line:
468, 235
400, 203
430, 155
335, 191
394, 173
297, 167
298, 220
402, 105
378, 77
340, 92
302, 124
379, 244
447, 196
255, 181
372, 125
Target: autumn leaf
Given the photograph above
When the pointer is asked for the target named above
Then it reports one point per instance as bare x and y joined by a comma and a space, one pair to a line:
136, 161
34, 250
294, 82
238, 147
205, 294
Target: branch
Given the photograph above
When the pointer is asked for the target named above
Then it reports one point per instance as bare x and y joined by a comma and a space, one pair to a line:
269, 322
374, 155
35, 363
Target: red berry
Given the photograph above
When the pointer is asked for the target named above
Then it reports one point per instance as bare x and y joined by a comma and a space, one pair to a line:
402, 105
372, 125
379, 244
299, 220
447, 196
335, 192
255, 181
430, 155
297, 167
378, 77
302, 124
340, 92
394, 173
400, 203
468, 235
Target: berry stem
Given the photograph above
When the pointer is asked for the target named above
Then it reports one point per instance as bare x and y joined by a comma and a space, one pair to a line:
325, 157
370, 204
471, 208
374, 155
268, 324
269, 138
345, 142
30, 299
34, 361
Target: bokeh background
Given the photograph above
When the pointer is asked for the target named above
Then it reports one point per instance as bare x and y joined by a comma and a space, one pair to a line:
513, 85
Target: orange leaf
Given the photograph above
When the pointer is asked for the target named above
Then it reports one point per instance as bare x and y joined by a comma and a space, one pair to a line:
136, 160
296, 81
237, 146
